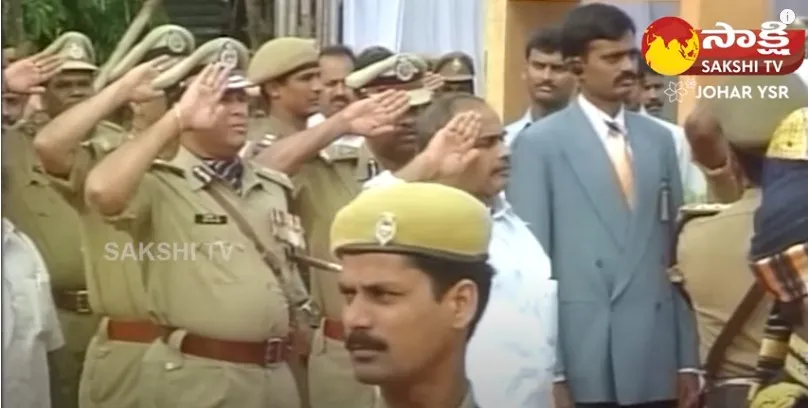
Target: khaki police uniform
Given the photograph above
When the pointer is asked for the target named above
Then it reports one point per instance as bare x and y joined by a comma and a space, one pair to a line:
325, 185
115, 282
38, 210
457, 70
275, 59
224, 312
401, 219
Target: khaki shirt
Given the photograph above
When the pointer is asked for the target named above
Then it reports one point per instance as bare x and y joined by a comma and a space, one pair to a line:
37, 209
115, 281
468, 402
269, 126
325, 185
211, 279
713, 260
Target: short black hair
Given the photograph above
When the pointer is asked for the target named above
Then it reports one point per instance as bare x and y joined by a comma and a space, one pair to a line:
592, 22
372, 55
645, 70
546, 40
339, 50
444, 274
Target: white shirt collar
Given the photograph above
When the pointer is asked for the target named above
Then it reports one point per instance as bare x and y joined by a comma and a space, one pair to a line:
500, 206
598, 118
8, 229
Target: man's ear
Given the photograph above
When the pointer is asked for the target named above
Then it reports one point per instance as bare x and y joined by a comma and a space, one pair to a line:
462, 299
575, 65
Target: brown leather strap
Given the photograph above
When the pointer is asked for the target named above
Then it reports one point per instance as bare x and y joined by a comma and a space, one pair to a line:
262, 353
715, 355
334, 330
142, 331
76, 301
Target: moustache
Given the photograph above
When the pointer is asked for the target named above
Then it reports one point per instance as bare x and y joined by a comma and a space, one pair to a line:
548, 84
340, 99
361, 340
626, 76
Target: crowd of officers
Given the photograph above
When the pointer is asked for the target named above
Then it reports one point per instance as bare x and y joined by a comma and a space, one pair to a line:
211, 146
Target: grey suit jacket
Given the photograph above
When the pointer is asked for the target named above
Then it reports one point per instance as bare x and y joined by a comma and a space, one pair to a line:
624, 331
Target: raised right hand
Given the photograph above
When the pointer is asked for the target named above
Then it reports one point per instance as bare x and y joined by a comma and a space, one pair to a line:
136, 84
452, 148
200, 106
26, 75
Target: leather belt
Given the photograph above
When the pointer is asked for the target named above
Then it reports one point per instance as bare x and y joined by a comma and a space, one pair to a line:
333, 329
142, 331
262, 353
76, 301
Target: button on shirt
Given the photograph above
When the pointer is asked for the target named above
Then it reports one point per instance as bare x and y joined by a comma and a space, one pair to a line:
30, 326
511, 356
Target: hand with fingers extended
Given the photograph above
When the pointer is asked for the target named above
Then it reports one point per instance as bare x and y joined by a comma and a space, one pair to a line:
136, 85
27, 75
200, 107
375, 115
451, 149
434, 82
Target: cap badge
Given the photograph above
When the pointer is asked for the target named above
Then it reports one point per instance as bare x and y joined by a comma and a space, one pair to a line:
75, 52
175, 42
405, 69
229, 55
386, 228
457, 66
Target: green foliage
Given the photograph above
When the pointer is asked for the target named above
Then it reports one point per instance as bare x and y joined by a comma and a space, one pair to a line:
104, 21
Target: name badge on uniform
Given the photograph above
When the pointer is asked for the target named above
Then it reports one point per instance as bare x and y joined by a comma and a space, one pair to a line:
210, 219
665, 201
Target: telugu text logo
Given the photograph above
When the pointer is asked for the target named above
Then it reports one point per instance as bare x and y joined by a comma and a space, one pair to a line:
672, 46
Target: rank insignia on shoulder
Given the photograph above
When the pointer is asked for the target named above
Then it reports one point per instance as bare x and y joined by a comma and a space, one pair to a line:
703, 209
210, 219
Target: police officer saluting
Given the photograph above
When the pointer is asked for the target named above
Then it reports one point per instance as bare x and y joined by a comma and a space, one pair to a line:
457, 70
115, 282
223, 299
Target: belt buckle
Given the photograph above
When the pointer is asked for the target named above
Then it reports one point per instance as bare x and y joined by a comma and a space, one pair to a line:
273, 353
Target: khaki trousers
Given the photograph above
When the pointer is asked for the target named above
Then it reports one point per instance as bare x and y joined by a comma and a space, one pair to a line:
331, 379
111, 372
65, 365
171, 379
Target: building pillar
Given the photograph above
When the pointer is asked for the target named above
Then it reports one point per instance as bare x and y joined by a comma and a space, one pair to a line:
508, 26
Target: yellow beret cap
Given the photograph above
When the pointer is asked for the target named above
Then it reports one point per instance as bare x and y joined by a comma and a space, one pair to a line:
170, 39
77, 50
790, 139
415, 218
281, 56
224, 49
455, 66
400, 71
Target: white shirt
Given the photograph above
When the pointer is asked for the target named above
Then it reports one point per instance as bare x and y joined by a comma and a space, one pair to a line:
347, 140
30, 326
511, 356
693, 180
515, 128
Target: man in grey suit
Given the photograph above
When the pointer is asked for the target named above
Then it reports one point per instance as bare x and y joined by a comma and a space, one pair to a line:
600, 189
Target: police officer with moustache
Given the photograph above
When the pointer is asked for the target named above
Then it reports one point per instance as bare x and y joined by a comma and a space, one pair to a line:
115, 284
412, 302
40, 212
225, 316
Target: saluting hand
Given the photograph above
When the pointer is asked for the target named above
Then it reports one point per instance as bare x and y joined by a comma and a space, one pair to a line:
377, 114
432, 81
452, 148
201, 107
26, 75
137, 83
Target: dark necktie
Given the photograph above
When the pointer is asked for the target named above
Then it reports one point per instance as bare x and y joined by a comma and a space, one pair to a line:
228, 170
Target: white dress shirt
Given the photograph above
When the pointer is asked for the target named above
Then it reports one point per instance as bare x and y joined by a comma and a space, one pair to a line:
693, 180
511, 356
513, 129
30, 326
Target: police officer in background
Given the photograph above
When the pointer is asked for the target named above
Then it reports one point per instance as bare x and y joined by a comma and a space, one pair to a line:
115, 281
225, 295
457, 70
412, 302
40, 212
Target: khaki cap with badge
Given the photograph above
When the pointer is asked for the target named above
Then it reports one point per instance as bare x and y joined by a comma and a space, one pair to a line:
220, 50
411, 218
77, 50
172, 40
401, 72
455, 67
282, 56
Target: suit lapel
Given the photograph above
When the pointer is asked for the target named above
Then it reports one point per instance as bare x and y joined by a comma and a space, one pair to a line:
646, 168
594, 171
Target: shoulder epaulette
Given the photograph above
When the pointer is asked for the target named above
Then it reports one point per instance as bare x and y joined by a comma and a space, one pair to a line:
160, 164
107, 125
274, 176
337, 152
702, 210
